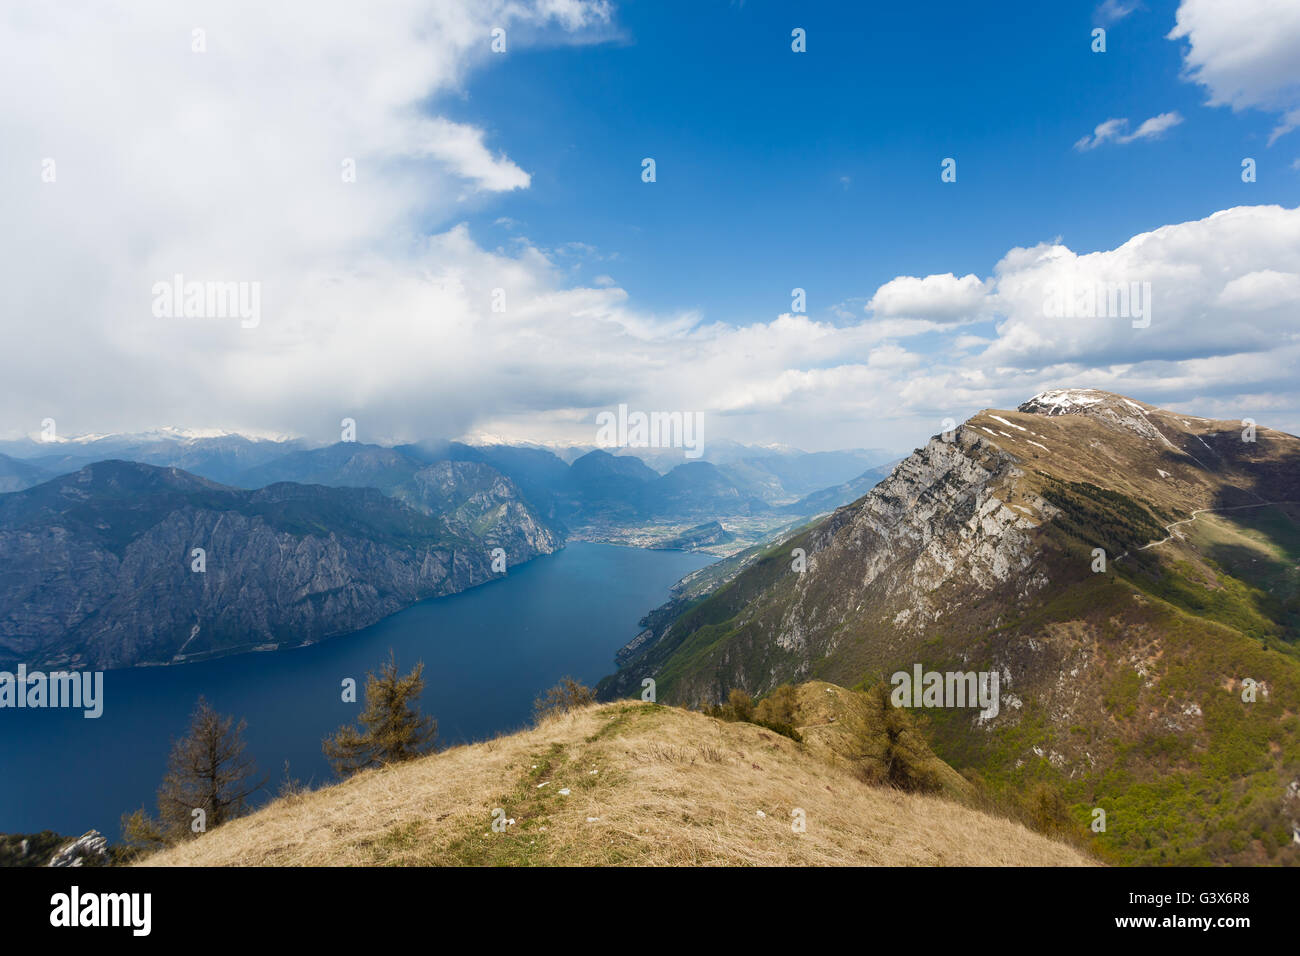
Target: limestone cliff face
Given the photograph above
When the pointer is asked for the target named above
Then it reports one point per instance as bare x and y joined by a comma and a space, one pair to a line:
952, 523
97, 569
477, 501
942, 518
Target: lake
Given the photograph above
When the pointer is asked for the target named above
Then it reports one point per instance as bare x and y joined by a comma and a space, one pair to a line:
487, 654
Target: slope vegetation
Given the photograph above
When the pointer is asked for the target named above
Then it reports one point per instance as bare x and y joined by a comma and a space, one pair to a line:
625, 784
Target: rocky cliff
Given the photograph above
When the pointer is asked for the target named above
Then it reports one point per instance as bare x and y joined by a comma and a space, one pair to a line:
477, 501
123, 564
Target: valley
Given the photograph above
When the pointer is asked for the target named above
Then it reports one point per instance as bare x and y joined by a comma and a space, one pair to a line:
1125, 578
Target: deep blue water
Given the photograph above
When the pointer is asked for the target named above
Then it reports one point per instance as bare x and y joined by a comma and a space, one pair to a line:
487, 653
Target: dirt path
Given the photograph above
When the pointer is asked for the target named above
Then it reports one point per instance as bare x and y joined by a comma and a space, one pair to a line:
1200, 511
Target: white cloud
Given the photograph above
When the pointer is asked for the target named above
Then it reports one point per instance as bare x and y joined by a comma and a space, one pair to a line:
1224, 326
1114, 130
1218, 287
1260, 291
462, 151
229, 165
1112, 11
942, 298
226, 166
1244, 53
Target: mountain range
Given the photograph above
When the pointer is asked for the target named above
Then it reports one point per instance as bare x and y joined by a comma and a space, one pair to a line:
122, 563
1130, 573
304, 543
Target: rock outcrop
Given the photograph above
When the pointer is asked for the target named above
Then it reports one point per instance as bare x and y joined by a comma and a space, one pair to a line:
89, 849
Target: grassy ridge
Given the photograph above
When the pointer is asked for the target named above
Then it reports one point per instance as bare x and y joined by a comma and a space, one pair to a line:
647, 785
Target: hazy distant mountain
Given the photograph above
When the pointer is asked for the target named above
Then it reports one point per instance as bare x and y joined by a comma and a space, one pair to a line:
478, 502
699, 487
15, 474
341, 465
801, 474
221, 458
97, 567
538, 472
828, 499
1121, 684
605, 488
610, 486
725, 453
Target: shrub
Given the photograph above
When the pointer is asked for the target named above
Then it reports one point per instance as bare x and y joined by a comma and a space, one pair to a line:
565, 696
741, 705
1047, 812
777, 715
779, 707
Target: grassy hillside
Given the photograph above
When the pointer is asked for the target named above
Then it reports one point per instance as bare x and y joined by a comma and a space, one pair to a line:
647, 785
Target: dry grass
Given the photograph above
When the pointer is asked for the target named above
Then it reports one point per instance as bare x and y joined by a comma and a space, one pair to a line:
664, 786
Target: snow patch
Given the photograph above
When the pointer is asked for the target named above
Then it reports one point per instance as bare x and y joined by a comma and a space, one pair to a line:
998, 418
1059, 401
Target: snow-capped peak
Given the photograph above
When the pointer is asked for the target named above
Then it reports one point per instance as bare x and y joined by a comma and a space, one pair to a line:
1063, 401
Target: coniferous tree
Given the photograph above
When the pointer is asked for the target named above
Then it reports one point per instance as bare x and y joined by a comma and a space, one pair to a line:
207, 783
390, 728
893, 752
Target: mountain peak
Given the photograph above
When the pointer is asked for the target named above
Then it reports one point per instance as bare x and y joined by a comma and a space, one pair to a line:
1075, 401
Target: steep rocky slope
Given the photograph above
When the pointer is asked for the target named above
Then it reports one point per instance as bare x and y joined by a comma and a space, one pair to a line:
626, 784
1121, 685
476, 501
97, 568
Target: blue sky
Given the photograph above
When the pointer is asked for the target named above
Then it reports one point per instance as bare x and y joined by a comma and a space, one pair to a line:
493, 264
821, 169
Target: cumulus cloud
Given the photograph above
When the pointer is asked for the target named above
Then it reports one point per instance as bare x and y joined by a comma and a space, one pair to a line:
941, 298
1116, 130
1245, 54
1218, 331
298, 147
377, 304
1223, 285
